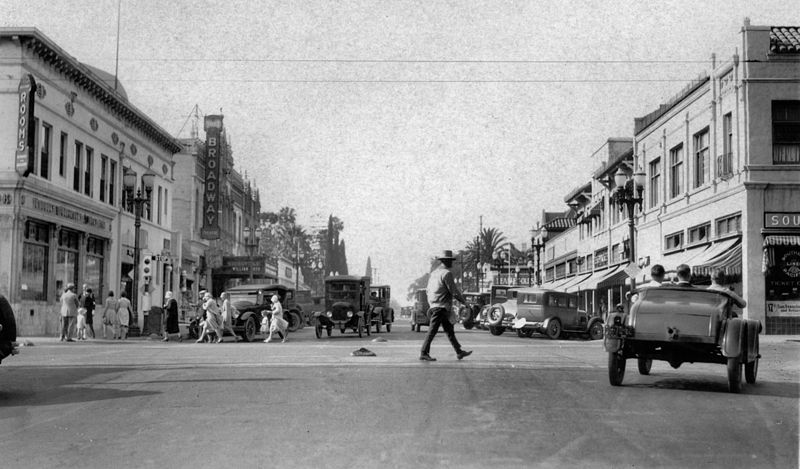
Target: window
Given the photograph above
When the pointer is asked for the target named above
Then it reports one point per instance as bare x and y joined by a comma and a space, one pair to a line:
87, 172
112, 178
33, 276
166, 203
673, 241
76, 170
729, 225
62, 155
655, 181
615, 253
700, 234
725, 161
700, 158
66, 260
95, 250
786, 132
44, 154
676, 171
159, 201
601, 258
561, 270
103, 176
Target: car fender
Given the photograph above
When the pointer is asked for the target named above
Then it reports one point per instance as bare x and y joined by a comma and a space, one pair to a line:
753, 329
734, 335
592, 321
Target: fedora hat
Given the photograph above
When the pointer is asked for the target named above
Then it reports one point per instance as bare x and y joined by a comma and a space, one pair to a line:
446, 255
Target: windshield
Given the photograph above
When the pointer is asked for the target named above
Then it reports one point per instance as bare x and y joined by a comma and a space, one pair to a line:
342, 291
249, 296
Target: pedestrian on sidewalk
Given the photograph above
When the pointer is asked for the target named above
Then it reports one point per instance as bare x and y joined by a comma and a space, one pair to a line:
109, 318
87, 302
123, 315
213, 319
227, 309
81, 323
171, 317
69, 311
441, 291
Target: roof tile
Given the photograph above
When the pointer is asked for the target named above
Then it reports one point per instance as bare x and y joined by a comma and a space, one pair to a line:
784, 40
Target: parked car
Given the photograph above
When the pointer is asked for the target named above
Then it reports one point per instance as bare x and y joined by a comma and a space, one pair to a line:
679, 325
8, 330
381, 311
253, 302
346, 305
469, 314
420, 317
498, 295
553, 313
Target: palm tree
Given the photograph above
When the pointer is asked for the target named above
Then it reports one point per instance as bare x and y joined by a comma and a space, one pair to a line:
488, 241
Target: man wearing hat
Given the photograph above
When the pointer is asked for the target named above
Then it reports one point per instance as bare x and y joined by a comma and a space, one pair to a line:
69, 312
441, 291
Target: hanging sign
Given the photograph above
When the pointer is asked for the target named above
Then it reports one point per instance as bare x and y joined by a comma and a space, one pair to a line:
26, 129
210, 229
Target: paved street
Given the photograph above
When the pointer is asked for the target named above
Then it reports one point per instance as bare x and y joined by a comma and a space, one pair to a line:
308, 403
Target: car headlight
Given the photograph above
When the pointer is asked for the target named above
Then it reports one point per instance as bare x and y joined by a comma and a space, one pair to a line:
329, 314
349, 314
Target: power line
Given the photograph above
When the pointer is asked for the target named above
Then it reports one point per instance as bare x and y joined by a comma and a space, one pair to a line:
421, 61
334, 81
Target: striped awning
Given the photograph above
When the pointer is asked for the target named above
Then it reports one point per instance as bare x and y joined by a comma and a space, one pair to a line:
591, 282
726, 256
782, 240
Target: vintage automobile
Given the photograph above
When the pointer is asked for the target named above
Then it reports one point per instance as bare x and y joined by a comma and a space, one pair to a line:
419, 316
381, 312
253, 301
553, 313
682, 325
346, 305
469, 314
8, 330
497, 296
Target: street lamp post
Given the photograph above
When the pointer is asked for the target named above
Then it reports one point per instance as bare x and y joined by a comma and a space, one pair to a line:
530, 268
139, 200
628, 195
251, 240
296, 267
537, 243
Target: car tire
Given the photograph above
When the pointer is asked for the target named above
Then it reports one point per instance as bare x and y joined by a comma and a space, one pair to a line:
495, 315
249, 329
497, 330
553, 329
468, 324
522, 333
734, 375
318, 331
294, 321
616, 368
644, 365
596, 331
751, 369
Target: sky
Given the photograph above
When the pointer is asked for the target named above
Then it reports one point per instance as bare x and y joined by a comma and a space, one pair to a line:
409, 120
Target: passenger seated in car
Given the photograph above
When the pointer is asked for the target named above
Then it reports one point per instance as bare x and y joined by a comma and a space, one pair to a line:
717, 284
684, 273
657, 274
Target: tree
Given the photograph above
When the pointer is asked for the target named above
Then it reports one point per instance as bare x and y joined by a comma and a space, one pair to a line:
488, 241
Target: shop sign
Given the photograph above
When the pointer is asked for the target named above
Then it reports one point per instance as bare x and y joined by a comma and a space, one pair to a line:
783, 308
782, 220
66, 213
26, 128
210, 229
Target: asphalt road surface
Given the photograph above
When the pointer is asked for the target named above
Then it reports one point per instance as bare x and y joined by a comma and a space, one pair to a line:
515, 402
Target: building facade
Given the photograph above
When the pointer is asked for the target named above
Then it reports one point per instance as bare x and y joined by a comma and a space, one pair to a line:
70, 134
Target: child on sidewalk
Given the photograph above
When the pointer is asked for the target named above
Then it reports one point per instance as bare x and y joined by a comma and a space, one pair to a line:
81, 324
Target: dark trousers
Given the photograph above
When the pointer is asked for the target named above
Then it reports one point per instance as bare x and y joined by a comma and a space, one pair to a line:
439, 318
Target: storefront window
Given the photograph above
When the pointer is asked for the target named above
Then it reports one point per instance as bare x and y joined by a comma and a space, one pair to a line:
66, 261
94, 266
33, 277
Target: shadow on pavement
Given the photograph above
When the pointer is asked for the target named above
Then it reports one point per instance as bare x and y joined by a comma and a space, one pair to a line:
40, 386
760, 388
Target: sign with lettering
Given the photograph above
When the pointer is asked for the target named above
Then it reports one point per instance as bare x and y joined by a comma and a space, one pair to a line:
26, 129
782, 220
210, 229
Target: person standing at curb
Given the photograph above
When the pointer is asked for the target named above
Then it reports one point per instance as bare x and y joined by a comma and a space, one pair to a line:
171, 317
441, 291
123, 315
69, 311
110, 320
87, 302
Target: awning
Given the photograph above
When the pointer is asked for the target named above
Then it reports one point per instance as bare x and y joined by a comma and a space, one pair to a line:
725, 255
573, 281
782, 240
590, 283
670, 262
613, 279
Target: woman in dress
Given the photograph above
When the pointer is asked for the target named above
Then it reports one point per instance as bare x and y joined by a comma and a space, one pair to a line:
171, 315
109, 319
277, 324
227, 314
213, 318
123, 315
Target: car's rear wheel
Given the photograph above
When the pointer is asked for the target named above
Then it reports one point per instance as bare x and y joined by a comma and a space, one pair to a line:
468, 324
495, 316
249, 329
497, 330
553, 329
596, 331
644, 365
734, 375
294, 321
616, 368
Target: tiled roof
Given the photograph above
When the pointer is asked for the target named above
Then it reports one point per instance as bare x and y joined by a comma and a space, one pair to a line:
784, 40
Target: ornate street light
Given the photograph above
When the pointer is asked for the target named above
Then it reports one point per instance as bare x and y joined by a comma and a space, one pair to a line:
628, 194
134, 195
537, 243
530, 268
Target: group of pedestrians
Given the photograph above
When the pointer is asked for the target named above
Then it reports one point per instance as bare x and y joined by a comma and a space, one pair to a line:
218, 318
78, 311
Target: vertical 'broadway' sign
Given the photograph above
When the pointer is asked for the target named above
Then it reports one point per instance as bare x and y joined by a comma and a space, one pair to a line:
213, 128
